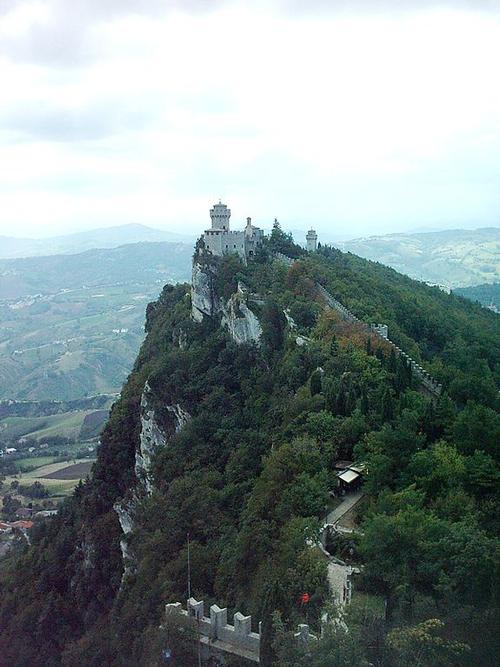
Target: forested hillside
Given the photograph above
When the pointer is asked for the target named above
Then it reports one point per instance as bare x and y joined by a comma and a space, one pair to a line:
487, 295
250, 433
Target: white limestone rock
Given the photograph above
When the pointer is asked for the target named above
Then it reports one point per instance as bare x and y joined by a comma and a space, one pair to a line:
202, 295
125, 510
179, 338
243, 325
150, 439
181, 416
289, 319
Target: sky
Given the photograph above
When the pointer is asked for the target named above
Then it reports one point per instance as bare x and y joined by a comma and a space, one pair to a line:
356, 117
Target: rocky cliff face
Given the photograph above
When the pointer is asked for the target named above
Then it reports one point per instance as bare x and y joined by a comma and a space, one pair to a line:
242, 324
125, 512
151, 438
181, 416
203, 299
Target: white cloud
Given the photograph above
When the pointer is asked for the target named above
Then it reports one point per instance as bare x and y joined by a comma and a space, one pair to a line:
362, 121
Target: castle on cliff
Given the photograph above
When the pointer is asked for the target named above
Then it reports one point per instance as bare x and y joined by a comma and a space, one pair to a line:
221, 240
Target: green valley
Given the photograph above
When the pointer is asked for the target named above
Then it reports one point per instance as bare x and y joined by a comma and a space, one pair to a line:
71, 325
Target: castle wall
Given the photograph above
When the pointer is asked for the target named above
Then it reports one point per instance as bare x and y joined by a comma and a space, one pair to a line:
219, 636
222, 243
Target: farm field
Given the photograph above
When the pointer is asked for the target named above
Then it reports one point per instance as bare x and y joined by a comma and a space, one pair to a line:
58, 478
24, 465
66, 424
74, 471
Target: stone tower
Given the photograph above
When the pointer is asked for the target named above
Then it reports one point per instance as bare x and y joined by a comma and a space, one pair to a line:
220, 215
312, 241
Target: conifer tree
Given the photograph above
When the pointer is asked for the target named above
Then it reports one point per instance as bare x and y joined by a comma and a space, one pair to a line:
315, 383
365, 404
369, 349
334, 346
387, 407
392, 364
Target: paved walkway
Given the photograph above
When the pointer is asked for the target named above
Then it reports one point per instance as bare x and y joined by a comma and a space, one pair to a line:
347, 504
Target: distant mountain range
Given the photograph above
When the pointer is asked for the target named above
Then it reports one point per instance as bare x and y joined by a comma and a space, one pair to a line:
107, 237
455, 258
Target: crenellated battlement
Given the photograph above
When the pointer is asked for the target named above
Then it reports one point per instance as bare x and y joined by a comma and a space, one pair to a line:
218, 636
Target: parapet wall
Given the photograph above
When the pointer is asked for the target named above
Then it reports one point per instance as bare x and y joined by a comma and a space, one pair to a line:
216, 633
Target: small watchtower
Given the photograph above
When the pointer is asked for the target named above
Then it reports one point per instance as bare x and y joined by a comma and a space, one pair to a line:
312, 241
220, 215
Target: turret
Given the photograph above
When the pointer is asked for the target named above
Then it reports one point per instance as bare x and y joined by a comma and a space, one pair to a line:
312, 241
220, 215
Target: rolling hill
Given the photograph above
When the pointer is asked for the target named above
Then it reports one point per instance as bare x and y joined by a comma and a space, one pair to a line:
487, 295
71, 325
455, 258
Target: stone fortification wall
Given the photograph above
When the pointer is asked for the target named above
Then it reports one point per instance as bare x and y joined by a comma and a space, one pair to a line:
219, 636
381, 330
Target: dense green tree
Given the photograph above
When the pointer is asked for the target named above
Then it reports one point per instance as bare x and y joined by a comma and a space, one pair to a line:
316, 383
273, 326
401, 555
387, 407
422, 646
477, 427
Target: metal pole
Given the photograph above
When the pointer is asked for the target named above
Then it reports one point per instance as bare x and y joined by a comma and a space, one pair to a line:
189, 569
199, 644
189, 596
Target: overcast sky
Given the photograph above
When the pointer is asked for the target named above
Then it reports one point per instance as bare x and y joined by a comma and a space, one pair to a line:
357, 119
